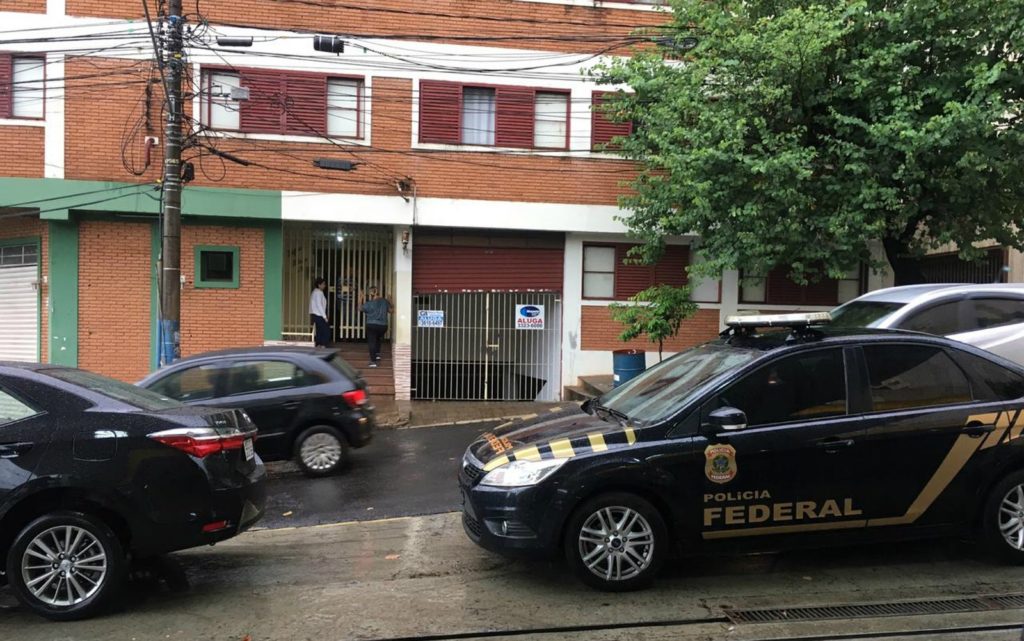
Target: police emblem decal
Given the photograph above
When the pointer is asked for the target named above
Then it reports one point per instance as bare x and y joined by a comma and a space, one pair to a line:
720, 463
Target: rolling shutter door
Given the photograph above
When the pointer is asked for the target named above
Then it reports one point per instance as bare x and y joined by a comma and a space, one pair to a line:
456, 268
19, 305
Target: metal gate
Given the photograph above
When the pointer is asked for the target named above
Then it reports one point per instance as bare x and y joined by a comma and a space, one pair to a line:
352, 258
19, 302
487, 346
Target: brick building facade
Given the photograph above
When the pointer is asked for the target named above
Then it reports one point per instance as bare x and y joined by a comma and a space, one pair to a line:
470, 125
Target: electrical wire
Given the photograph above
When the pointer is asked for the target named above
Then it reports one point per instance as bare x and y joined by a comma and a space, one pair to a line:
75, 195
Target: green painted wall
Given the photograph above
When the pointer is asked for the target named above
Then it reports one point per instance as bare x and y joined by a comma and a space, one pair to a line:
56, 198
63, 300
273, 273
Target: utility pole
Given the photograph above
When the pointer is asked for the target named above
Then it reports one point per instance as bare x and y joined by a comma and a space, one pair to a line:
170, 203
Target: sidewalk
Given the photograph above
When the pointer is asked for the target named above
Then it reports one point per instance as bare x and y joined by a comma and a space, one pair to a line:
392, 414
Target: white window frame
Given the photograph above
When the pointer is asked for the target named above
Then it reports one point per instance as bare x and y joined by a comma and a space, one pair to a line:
561, 118
598, 295
220, 100
357, 108
28, 95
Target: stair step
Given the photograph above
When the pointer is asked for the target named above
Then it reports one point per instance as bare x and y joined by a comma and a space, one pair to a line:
577, 393
598, 384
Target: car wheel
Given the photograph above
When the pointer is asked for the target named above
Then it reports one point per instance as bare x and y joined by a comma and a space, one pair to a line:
321, 450
66, 565
1003, 522
616, 542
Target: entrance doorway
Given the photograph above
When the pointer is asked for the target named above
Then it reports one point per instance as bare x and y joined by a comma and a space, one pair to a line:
487, 346
19, 295
352, 258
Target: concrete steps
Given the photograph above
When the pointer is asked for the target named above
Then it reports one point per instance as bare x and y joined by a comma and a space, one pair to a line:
380, 379
588, 387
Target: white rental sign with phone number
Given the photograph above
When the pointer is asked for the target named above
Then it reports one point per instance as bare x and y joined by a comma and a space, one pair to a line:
529, 317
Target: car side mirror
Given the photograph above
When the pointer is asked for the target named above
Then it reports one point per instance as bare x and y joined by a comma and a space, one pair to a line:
727, 419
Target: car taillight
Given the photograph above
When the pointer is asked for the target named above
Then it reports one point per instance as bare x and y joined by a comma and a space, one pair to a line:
202, 441
355, 398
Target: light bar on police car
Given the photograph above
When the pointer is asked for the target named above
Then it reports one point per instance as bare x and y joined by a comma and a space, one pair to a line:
779, 320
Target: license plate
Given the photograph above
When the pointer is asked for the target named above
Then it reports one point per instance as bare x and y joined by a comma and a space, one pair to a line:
250, 452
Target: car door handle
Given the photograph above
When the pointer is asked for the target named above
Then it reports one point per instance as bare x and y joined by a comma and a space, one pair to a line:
14, 450
290, 405
977, 430
834, 445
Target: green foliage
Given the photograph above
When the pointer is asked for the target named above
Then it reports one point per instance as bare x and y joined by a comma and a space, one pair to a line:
798, 131
656, 312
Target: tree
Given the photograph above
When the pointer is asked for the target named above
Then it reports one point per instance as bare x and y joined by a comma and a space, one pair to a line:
656, 312
798, 132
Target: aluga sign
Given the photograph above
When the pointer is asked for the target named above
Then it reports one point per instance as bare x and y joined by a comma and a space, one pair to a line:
529, 317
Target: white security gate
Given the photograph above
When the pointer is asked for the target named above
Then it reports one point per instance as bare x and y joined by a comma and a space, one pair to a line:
491, 346
352, 258
19, 302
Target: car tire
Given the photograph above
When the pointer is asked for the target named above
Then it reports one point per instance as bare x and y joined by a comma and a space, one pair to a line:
321, 450
1003, 520
64, 535
616, 542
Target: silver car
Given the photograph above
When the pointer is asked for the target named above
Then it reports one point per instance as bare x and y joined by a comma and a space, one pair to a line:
988, 316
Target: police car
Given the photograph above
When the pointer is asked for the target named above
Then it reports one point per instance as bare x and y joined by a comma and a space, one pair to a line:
762, 439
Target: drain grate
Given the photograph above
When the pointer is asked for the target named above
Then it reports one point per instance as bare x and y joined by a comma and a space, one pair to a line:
978, 603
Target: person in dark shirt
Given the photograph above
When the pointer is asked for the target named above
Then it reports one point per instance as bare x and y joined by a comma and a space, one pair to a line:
377, 308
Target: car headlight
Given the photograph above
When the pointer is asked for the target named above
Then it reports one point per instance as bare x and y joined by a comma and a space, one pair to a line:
520, 473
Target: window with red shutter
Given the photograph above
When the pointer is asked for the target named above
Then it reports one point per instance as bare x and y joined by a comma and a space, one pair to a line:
514, 119
6, 78
263, 112
630, 278
603, 128
440, 112
305, 105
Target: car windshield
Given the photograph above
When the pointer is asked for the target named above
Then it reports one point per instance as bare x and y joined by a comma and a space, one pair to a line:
862, 313
139, 397
662, 390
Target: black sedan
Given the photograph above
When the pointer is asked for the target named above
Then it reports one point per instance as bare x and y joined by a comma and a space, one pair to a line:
93, 471
760, 441
308, 403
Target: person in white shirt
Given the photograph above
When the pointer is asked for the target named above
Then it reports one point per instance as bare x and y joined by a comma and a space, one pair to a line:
318, 314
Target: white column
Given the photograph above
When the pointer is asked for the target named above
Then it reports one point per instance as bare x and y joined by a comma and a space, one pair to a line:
53, 132
730, 295
56, 8
879, 280
572, 307
402, 298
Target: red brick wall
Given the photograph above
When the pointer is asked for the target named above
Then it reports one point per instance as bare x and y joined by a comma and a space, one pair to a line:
218, 318
27, 227
600, 332
524, 21
114, 289
24, 6
21, 152
105, 96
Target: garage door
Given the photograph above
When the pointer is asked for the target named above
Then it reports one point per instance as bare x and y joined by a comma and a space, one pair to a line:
19, 302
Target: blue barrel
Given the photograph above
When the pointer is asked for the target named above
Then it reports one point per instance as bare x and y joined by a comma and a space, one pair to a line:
627, 364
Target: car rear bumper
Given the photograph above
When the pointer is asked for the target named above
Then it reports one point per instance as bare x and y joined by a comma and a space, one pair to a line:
228, 511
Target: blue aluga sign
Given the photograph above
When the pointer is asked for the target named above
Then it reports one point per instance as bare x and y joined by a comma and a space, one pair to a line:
529, 317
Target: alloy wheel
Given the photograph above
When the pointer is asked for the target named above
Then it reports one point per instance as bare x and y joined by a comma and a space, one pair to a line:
1011, 517
320, 452
64, 566
616, 543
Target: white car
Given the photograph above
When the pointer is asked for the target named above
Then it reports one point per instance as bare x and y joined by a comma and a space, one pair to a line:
988, 316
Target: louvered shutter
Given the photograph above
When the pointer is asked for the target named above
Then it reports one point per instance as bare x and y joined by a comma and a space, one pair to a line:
603, 129
513, 122
305, 106
630, 278
783, 291
263, 112
440, 111
671, 269
6, 86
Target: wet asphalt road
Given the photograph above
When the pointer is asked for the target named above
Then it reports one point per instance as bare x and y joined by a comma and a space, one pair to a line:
406, 472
